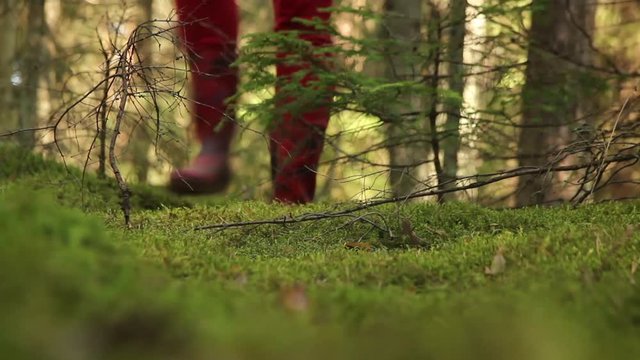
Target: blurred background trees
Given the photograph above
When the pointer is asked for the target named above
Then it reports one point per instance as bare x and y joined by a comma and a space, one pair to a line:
430, 95
556, 93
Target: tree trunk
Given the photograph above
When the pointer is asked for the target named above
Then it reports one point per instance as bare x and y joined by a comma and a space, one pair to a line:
624, 178
453, 107
31, 65
8, 29
558, 51
402, 27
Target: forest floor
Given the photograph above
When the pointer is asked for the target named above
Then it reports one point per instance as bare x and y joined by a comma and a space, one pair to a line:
538, 283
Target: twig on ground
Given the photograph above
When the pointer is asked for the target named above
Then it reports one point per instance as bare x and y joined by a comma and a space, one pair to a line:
418, 194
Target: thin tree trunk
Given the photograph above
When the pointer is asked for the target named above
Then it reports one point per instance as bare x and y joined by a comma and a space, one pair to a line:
436, 37
477, 91
451, 138
551, 96
8, 29
31, 71
403, 28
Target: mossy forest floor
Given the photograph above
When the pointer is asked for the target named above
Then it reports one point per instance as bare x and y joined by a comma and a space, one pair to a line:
74, 284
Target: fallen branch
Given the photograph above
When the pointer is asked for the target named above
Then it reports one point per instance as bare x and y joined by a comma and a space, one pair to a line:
522, 171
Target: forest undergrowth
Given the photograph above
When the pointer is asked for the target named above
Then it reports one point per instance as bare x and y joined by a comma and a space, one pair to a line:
534, 283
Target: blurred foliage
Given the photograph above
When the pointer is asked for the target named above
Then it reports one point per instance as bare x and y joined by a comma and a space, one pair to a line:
69, 291
82, 40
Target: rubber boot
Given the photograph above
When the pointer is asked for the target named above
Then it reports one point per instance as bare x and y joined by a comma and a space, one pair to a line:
209, 32
213, 81
208, 173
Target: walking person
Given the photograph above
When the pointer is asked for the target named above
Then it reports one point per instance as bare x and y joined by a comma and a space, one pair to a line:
210, 34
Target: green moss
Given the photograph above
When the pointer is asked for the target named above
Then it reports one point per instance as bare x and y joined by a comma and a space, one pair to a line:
70, 287
78, 285
73, 187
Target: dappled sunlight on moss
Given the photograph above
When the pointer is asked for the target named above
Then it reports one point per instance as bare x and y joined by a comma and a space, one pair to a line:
80, 285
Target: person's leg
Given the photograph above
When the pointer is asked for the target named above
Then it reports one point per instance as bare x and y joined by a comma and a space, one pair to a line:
297, 139
209, 33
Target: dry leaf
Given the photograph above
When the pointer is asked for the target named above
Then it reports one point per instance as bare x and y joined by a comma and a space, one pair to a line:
358, 245
628, 231
241, 278
294, 298
238, 275
407, 231
498, 264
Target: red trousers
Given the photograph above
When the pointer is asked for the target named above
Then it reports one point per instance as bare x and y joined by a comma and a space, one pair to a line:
210, 35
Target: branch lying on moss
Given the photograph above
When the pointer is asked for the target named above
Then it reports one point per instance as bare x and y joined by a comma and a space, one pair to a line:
521, 171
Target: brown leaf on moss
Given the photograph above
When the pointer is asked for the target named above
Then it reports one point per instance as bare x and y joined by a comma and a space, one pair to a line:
498, 264
294, 298
241, 278
238, 275
629, 231
407, 230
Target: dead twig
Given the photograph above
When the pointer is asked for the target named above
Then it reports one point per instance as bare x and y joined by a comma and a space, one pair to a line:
523, 171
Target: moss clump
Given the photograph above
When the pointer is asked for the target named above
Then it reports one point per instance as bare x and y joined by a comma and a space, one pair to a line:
73, 187
69, 289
